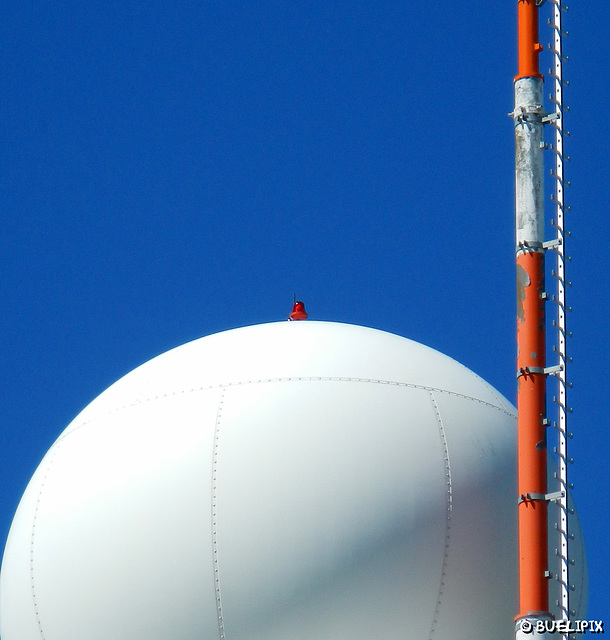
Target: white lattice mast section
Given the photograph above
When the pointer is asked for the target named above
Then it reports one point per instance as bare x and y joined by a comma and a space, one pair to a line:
561, 400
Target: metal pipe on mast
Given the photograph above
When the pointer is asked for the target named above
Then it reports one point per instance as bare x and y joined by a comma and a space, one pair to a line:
528, 117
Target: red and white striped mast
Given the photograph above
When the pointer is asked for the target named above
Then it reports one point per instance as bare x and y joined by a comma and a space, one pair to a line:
529, 116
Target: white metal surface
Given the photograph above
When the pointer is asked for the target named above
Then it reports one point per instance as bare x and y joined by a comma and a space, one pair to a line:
296, 481
529, 178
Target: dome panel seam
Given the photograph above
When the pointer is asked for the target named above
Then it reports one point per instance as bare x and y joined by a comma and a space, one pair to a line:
225, 385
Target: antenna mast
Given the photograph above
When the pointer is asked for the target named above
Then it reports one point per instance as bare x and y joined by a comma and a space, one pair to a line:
529, 118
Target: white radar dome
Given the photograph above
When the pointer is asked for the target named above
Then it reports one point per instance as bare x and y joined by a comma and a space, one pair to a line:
286, 481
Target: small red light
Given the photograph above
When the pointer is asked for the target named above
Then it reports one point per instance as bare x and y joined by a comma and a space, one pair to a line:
298, 311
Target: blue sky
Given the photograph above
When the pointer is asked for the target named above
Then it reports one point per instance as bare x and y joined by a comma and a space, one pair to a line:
170, 170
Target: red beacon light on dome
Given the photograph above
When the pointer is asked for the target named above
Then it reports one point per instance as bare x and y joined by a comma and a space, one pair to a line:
298, 311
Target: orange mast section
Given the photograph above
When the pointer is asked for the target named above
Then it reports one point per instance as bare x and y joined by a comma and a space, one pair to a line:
531, 348
529, 48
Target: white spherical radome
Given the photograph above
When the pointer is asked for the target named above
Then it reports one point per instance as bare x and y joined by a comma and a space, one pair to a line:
293, 480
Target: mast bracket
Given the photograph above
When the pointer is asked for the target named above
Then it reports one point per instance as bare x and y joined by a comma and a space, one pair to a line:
547, 371
551, 244
549, 117
529, 114
542, 497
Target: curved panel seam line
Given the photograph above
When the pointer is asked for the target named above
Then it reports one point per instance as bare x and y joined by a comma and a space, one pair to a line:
493, 391
33, 536
449, 509
221, 630
225, 385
